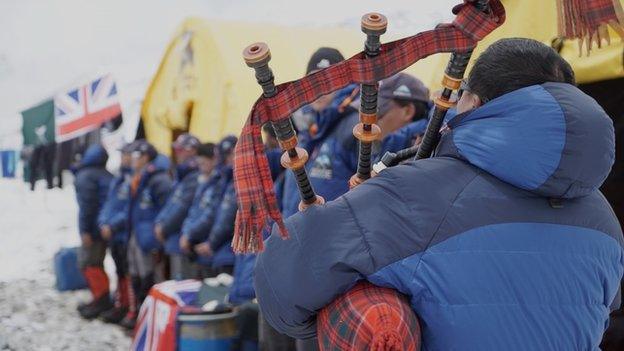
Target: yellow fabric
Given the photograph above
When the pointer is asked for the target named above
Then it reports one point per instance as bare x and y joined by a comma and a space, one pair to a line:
537, 19
210, 91
212, 95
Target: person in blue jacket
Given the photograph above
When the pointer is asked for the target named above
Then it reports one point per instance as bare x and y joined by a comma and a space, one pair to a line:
205, 201
502, 240
215, 251
403, 102
113, 227
170, 218
149, 189
92, 182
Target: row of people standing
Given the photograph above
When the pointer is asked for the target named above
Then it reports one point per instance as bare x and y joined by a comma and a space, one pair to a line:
156, 226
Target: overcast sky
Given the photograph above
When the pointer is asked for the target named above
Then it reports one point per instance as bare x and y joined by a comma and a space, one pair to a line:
47, 45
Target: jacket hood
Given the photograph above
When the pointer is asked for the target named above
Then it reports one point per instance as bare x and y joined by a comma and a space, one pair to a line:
551, 139
95, 155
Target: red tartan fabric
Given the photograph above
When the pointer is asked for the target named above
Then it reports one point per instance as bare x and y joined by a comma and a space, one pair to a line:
254, 187
588, 19
368, 318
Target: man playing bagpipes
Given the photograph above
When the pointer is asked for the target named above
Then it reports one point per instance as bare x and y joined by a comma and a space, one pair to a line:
500, 241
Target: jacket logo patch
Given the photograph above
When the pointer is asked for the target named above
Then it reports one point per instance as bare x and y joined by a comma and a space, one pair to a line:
146, 201
322, 166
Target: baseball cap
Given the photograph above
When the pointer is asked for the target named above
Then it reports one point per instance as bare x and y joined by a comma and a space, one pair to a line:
142, 147
226, 145
323, 58
400, 86
186, 141
127, 148
206, 150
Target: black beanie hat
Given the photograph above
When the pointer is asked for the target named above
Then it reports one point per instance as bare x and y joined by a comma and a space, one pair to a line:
323, 58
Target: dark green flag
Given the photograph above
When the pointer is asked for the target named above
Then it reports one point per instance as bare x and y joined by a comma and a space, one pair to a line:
38, 123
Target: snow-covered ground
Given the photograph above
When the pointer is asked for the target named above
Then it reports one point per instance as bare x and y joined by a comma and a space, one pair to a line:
33, 315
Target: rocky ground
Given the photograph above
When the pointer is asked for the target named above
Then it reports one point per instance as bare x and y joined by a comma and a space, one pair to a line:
33, 315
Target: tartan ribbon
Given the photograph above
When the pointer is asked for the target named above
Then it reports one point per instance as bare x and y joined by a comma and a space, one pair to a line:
254, 187
369, 317
587, 21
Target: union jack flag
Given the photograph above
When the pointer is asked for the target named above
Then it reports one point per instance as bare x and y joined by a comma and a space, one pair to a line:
85, 108
156, 323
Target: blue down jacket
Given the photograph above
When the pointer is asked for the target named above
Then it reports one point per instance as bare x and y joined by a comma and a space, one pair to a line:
146, 203
172, 215
222, 230
115, 210
502, 241
92, 182
201, 215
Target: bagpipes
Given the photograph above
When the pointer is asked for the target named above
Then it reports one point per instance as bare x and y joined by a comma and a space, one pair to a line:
257, 203
475, 19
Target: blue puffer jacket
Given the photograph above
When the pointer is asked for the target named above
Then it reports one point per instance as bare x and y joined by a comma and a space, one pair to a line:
220, 236
114, 213
150, 197
201, 215
242, 289
333, 159
502, 241
176, 208
92, 182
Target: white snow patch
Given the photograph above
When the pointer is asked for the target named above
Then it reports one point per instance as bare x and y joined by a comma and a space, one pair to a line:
33, 315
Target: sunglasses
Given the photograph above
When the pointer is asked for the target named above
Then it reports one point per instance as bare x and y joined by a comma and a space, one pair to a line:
465, 87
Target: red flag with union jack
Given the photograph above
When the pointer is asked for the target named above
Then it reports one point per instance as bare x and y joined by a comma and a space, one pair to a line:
86, 108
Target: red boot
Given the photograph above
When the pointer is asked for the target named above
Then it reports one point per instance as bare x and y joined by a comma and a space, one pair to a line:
129, 321
98, 281
99, 285
122, 300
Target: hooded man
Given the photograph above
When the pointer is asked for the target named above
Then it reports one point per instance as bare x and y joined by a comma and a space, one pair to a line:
502, 240
149, 189
215, 250
201, 215
170, 218
92, 182
112, 221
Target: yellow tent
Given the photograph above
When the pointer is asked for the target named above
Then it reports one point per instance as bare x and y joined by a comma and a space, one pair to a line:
204, 86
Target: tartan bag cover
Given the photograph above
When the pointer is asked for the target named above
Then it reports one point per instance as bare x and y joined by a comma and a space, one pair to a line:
369, 317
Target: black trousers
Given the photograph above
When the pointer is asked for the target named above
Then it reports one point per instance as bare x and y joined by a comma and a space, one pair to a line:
42, 158
119, 252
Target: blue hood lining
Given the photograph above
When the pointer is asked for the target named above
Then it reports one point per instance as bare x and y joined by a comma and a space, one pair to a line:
518, 137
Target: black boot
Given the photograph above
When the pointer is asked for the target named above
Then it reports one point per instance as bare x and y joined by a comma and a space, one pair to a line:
83, 305
114, 315
128, 322
97, 307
